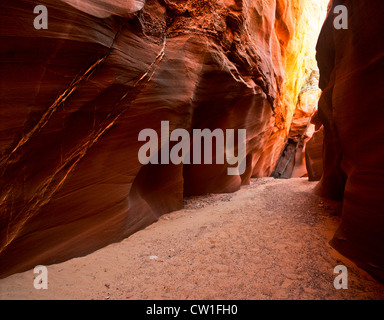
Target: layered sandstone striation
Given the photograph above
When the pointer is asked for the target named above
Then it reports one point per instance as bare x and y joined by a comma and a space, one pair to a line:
351, 109
75, 96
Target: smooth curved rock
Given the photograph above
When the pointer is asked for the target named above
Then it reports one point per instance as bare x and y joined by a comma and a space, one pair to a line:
314, 155
351, 109
107, 8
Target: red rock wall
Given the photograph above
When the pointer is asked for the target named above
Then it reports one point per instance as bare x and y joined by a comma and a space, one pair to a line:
75, 96
352, 110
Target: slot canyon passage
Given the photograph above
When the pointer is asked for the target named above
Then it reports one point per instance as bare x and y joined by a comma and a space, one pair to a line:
75, 197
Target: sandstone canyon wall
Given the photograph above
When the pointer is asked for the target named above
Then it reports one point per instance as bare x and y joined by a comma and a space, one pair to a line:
75, 96
351, 108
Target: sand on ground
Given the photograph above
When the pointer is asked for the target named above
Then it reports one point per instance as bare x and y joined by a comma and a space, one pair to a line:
269, 240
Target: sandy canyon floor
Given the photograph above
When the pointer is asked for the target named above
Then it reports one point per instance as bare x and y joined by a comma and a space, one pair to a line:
269, 240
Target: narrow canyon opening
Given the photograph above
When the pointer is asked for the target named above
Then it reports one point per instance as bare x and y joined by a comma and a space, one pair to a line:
77, 93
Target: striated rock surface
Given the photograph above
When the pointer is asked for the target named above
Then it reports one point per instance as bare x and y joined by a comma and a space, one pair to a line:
75, 96
351, 109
